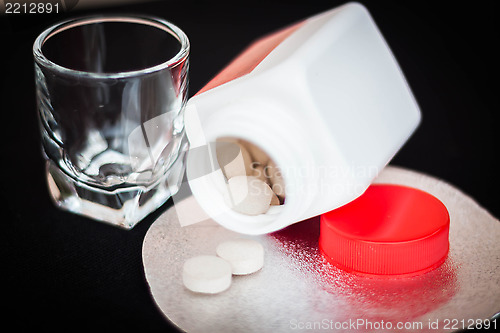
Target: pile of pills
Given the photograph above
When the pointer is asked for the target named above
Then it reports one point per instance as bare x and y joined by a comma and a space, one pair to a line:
254, 182
210, 274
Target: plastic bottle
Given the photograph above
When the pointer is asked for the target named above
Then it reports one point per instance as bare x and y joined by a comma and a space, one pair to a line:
324, 98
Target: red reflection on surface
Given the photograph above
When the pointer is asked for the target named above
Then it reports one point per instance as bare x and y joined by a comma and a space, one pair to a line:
368, 297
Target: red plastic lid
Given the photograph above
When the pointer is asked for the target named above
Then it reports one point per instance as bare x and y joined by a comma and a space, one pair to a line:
389, 230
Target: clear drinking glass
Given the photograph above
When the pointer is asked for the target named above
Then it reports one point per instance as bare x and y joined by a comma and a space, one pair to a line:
111, 92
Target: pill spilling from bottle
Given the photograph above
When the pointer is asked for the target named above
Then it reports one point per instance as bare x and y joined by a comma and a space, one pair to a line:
254, 182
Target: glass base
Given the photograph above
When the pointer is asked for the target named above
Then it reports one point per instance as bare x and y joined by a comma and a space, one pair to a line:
122, 207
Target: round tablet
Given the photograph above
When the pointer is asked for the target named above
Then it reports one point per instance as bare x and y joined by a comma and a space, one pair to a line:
276, 179
206, 274
275, 201
248, 195
233, 158
258, 172
246, 256
258, 155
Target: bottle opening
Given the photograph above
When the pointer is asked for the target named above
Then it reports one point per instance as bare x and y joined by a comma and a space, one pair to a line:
254, 183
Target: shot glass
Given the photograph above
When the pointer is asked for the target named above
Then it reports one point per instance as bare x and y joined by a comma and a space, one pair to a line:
111, 92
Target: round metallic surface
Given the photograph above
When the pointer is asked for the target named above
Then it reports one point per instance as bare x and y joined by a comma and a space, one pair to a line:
297, 289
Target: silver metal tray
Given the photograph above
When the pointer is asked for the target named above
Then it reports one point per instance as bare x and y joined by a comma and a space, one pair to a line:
299, 290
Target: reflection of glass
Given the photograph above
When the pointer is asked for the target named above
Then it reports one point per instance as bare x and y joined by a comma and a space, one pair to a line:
110, 92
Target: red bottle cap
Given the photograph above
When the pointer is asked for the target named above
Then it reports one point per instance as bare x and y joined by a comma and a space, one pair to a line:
389, 230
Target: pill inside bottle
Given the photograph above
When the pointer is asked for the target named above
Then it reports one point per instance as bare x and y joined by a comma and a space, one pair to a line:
253, 181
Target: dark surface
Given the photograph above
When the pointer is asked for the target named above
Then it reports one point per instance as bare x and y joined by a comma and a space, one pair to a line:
63, 272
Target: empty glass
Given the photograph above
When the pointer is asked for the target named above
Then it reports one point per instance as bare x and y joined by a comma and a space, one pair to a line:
111, 92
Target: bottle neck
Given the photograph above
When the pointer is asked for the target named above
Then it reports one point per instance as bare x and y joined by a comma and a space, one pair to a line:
280, 135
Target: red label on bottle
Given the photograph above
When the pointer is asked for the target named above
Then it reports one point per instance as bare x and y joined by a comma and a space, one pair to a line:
250, 58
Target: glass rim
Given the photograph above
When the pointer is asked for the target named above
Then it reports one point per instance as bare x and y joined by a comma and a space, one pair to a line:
159, 23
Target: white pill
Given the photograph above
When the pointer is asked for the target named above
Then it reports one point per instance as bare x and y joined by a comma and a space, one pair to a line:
206, 274
275, 201
246, 256
248, 195
233, 158
258, 155
276, 179
258, 171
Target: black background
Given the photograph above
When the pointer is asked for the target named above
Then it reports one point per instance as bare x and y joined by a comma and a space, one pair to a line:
64, 272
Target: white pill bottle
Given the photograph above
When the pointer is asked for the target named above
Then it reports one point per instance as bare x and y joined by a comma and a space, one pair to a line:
324, 98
